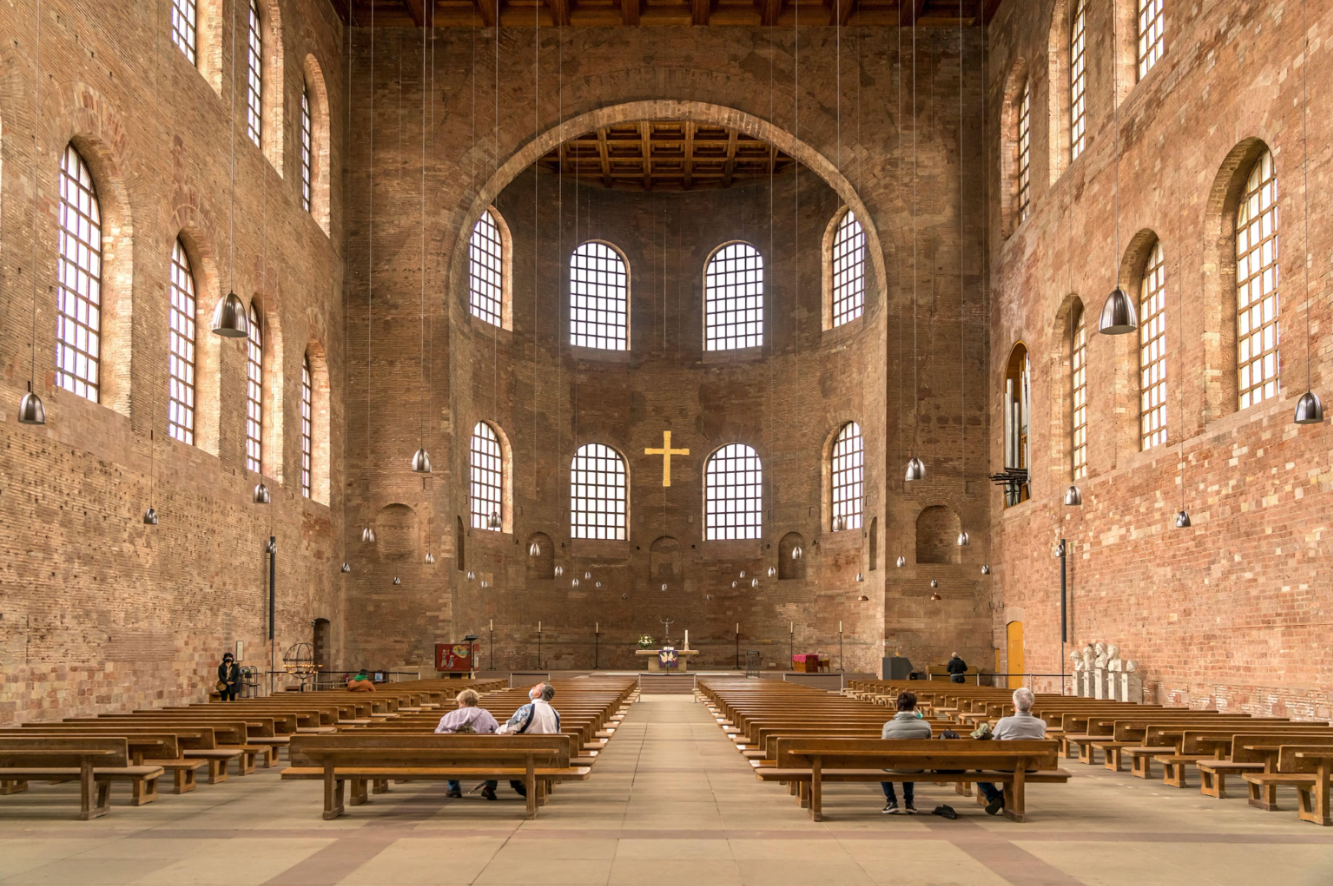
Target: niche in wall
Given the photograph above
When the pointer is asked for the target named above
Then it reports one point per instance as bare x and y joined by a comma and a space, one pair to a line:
937, 530
787, 567
542, 566
397, 533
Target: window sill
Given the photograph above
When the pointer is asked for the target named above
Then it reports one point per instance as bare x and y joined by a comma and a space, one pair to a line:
734, 355
600, 355
734, 549
610, 549
489, 330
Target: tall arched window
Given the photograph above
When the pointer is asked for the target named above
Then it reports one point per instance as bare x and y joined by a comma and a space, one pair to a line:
849, 269
1024, 196
1257, 331
307, 146
848, 476
485, 270
1152, 351
1017, 423
254, 77
1078, 400
307, 418
180, 400
183, 27
597, 493
734, 298
598, 298
78, 280
254, 394
1152, 27
486, 459
1078, 79
733, 494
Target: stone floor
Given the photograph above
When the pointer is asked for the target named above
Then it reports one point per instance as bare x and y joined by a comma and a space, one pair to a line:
670, 802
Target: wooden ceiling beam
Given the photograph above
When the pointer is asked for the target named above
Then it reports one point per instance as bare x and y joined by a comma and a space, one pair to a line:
559, 11
489, 10
986, 10
840, 11
422, 12
769, 11
910, 11
730, 166
701, 11
629, 11
605, 154
689, 155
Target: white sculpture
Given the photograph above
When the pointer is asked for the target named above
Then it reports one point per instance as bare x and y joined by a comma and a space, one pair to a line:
1076, 657
1100, 649
1113, 662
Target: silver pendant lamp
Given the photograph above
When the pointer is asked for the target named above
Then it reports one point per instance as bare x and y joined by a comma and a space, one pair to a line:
797, 553
1119, 314
535, 549
985, 570
493, 521
261, 496
229, 317
397, 580
839, 523
347, 567
1309, 410
1183, 520
964, 539
916, 468
901, 562
368, 535
421, 458
31, 410
430, 559
1073, 497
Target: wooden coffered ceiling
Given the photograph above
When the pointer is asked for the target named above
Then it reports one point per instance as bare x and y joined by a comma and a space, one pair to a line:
607, 13
666, 155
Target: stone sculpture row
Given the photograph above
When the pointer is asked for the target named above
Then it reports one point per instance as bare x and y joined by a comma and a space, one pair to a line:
1100, 672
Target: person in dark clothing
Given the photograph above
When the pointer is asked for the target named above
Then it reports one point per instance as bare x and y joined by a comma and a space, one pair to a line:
956, 668
229, 678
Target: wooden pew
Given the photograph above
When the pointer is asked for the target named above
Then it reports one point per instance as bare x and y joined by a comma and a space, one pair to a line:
94, 761
813, 761
217, 743
145, 748
1306, 768
1167, 743
366, 756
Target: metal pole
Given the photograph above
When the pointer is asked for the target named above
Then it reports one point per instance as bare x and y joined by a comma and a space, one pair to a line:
490, 652
1064, 623
738, 650
272, 607
539, 650
839, 652
596, 648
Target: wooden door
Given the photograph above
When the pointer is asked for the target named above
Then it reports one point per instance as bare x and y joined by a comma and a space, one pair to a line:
1014, 632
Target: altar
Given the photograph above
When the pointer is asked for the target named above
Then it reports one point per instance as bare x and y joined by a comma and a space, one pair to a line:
655, 664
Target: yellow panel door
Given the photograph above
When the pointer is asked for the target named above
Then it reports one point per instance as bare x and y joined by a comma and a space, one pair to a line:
1014, 632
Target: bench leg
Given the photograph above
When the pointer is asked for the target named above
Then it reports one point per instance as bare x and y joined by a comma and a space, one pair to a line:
1141, 767
13, 786
381, 786
333, 794
530, 782
87, 789
816, 790
1112, 758
358, 792
1015, 800
143, 791
1175, 774
1213, 784
963, 788
217, 771
1263, 796
246, 763
184, 781
1313, 799
1086, 754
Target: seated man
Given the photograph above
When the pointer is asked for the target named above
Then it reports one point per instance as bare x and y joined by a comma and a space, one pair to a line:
907, 723
537, 717
1022, 725
468, 718
361, 682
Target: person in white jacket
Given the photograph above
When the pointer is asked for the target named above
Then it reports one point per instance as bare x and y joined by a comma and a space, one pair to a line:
537, 717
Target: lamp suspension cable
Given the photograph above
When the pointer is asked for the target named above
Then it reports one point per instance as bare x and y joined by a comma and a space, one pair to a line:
1309, 410
368, 533
916, 469
421, 459
229, 317
1119, 314
902, 449
31, 410
347, 189
963, 537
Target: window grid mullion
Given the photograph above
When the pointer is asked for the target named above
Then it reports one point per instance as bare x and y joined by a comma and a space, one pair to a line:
734, 299
849, 269
254, 395
487, 476
180, 359
734, 498
306, 413
1258, 333
1078, 80
598, 298
1078, 377
597, 484
1152, 352
848, 472
78, 280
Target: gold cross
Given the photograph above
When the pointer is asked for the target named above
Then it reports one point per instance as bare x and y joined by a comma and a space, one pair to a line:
666, 452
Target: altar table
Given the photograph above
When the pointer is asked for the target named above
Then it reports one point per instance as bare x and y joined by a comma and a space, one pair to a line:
681, 659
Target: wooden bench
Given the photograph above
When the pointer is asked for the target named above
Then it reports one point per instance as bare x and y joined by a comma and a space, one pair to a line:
146, 749
1303, 767
367, 757
813, 761
94, 761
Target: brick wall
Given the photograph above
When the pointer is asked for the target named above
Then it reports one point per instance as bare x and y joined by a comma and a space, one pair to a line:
97, 610
1233, 612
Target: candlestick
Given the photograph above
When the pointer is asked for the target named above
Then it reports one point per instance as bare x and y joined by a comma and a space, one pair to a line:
492, 624
738, 627
596, 627
687, 638
839, 627
539, 627
792, 629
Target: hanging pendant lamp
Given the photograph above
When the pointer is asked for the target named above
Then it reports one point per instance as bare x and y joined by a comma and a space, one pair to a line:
31, 410
860, 577
754, 582
985, 570
902, 561
1309, 410
421, 462
1073, 497
1119, 315
430, 559
493, 521
574, 583
734, 585
471, 576
839, 524
534, 550
397, 580
229, 320
916, 470
485, 584
368, 535
664, 587
797, 553
150, 517
964, 539
559, 571
772, 571
863, 599
1183, 520
261, 496
270, 546
347, 567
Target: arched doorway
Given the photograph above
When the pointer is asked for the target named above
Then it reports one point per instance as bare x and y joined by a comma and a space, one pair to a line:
323, 642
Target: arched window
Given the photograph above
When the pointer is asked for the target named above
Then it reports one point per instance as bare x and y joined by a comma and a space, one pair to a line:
598, 298
183, 27
734, 494
1152, 26
1024, 195
78, 280
849, 269
180, 399
1257, 331
1078, 399
485, 268
487, 463
1152, 351
1078, 79
306, 148
254, 394
734, 298
1017, 412
597, 493
307, 417
848, 474
254, 77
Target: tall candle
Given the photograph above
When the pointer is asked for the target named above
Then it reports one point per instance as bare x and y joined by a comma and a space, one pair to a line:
738, 627
687, 638
539, 627
492, 624
839, 627
792, 629
596, 627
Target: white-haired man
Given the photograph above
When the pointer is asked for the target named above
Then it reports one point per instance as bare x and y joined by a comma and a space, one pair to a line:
537, 717
1022, 725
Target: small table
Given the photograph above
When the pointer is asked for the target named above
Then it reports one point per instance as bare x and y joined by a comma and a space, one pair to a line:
656, 667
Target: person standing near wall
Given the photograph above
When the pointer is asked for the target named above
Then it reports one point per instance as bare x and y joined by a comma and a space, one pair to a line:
956, 668
229, 678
